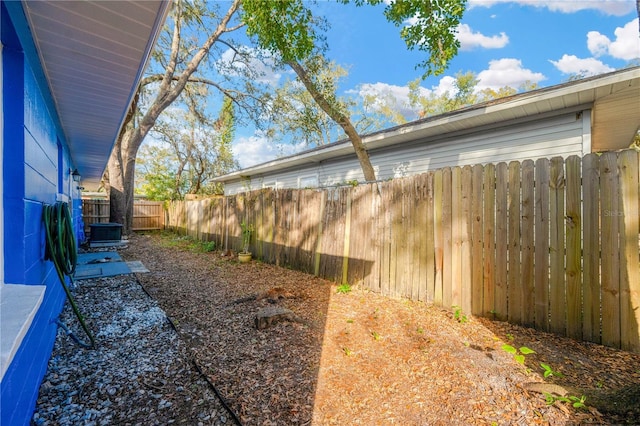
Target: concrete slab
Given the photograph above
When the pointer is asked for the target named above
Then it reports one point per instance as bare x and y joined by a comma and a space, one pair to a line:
105, 264
137, 267
98, 257
107, 269
102, 244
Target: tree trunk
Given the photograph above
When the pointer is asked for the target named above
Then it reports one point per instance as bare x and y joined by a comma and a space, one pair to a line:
340, 118
121, 169
121, 166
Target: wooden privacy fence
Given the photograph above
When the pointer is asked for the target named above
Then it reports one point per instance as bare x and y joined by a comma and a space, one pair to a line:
551, 244
147, 215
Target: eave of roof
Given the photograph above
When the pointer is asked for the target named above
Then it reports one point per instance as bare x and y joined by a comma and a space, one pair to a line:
92, 56
582, 92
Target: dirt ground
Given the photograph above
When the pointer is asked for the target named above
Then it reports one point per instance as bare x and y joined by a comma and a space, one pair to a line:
359, 358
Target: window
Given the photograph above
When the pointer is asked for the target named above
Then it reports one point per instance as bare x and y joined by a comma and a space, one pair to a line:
308, 181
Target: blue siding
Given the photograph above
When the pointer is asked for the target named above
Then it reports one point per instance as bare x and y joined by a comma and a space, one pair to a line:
21, 383
35, 168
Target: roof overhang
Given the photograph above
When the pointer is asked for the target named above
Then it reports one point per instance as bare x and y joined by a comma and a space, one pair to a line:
607, 95
93, 55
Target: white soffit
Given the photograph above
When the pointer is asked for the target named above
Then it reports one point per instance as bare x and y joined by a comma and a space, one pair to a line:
93, 54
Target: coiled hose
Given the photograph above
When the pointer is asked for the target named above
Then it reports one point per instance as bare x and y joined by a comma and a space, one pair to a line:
61, 249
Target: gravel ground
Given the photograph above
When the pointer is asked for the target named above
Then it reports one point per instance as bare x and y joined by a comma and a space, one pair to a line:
354, 358
140, 372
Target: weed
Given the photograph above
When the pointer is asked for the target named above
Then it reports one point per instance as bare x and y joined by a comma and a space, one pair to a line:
208, 246
600, 385
347, 351
548, 371
375, 335
510, 336
576, 402
420, 330
344, 288
349, 321
518, 354
459, 315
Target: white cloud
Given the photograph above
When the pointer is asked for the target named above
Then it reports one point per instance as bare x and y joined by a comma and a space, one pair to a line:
395, 97
506, 72
446, 84
260, 64
469, 39
257, 149
625, 46
571, 64
608, 7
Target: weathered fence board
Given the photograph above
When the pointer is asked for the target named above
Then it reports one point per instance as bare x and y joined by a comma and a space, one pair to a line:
552, 244
610, 272
528, 244
147, 215
591, 248
541, 256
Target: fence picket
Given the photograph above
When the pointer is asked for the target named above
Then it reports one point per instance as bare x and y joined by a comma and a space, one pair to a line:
514, 279
447, 273
429, 261
489, 238
557, 293
541, 261
527, 231
477, 300
629, 245
610, 204
456, 236
552, 244
573, 271
438, 236
591, 248
500, 293
466, 241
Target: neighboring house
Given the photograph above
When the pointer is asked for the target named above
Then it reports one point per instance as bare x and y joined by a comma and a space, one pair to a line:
594, 114
68, 72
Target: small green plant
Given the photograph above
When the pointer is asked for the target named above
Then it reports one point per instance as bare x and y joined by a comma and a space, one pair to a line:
548, 371
420, 330
347, 351
576, 402
208, 246
510, 336
349, 321
344, 288
247, 230
459, 315
376, 335
518, 354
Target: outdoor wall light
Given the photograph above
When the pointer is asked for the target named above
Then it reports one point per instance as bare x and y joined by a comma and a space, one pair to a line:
75, 175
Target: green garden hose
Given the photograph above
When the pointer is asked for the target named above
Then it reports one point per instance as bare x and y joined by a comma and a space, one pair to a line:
61, 249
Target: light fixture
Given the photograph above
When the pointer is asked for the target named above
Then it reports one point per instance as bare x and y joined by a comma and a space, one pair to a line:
75, 175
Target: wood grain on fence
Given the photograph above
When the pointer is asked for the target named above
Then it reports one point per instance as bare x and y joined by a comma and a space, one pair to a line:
147, 215
552, 244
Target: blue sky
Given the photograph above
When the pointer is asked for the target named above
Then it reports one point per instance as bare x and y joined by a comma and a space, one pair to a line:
505, 42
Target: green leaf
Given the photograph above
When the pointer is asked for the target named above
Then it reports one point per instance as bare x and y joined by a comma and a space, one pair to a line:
526, 351
519, 358
510, 349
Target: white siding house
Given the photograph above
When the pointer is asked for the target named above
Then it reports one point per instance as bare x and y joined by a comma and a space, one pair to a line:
594, 114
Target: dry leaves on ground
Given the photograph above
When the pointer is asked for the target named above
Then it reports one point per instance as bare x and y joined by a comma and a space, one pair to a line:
362, 358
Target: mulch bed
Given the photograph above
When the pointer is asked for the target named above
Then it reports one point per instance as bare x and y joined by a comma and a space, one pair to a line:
361, 358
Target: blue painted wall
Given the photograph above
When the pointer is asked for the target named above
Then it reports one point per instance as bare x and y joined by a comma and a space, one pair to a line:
36, 166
